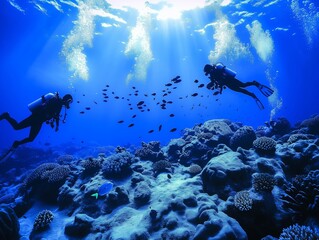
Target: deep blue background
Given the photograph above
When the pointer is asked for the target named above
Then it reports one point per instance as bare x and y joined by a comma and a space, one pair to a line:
31, 64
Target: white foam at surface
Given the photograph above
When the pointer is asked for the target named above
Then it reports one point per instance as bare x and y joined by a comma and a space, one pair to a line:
227, 44
261, 40
139, 46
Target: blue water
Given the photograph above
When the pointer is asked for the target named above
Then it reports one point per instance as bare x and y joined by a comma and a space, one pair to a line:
78, 47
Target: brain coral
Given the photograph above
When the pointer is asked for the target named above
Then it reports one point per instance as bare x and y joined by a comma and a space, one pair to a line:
47, 179
118, 165
243, 201
297, 232
243, 137
263, 182
43, 220
301, 197
265, 145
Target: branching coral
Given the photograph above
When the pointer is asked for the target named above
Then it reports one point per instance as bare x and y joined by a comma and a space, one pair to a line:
43, 220
263, 182
118, 165
91, 166
243, 201
301, 197
297, 232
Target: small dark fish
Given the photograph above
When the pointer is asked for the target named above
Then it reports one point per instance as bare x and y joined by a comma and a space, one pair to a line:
104, 90
142, 110
173, 130
169, 92
180, 97
196, 81
134, 116
163, 104
104, 94
121, 121
164, 94
177, 81
194, 94
153, 94
104, 100
160, 128
113, 93
168, 84
136, 91
135, 94
130, 104
131, 125
174, 87
78, 101
134, 87
151, 131
83, 95
148, 109
87, 108
201, 85
82, 112
169, 176
131, 108
130, 94
122, 97
116, 97
216, 93
164, 107
164, 101
144, 105
145, 95
107, 85
172, 115
169, 102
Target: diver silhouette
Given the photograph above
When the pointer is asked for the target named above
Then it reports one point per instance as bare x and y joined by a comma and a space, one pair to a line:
45, 109
222, 77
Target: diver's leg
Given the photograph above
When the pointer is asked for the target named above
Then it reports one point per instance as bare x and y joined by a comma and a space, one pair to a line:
17, 126
244, 91
34, 131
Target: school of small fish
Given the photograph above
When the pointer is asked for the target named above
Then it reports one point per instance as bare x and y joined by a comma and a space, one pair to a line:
160, 99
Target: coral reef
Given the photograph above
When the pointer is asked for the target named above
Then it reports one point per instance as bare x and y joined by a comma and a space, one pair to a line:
150, 151
9, 224
214, 182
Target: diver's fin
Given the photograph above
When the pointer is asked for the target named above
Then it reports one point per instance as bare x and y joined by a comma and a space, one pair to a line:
6, 155
266, 91
259, 104
95, 195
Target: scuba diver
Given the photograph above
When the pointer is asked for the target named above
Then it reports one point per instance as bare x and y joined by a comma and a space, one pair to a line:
45, 109
222, 77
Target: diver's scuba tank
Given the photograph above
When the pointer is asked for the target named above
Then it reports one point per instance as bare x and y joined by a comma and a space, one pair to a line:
38, 104
228, 72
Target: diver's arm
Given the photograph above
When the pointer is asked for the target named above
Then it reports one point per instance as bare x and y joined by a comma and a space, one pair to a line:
57, 122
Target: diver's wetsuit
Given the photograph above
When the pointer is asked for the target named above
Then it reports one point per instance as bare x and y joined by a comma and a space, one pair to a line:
50, 110
220, 79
